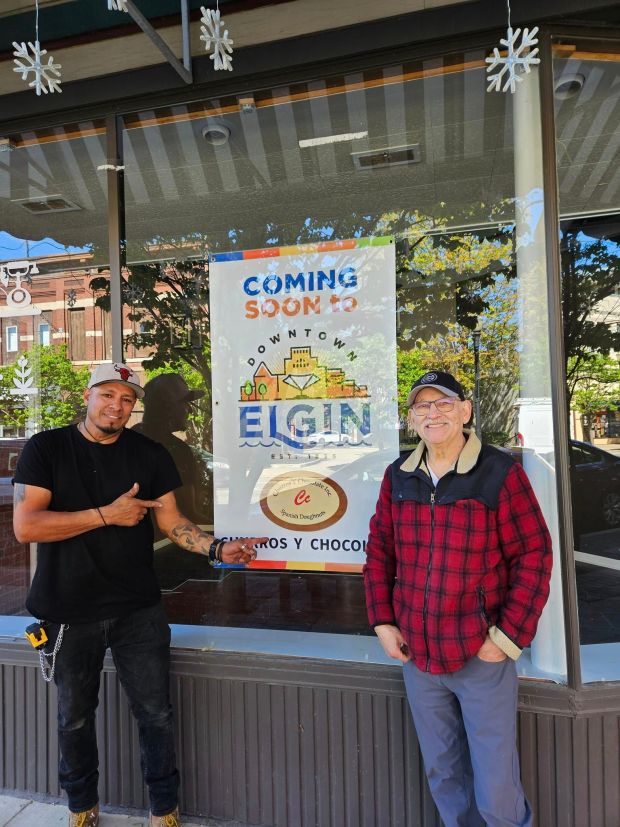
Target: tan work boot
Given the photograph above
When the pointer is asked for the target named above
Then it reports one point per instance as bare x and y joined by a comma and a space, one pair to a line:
87, 818
171, 820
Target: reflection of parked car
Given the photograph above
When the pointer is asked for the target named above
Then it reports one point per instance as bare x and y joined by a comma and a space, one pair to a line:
595, 487
209, 460
207, 465
612, 428
328, 438
370, 466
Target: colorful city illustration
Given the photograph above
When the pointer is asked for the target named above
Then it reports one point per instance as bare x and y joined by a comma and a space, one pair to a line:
302, 378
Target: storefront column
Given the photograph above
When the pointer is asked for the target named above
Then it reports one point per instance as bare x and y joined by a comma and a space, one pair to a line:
535, 413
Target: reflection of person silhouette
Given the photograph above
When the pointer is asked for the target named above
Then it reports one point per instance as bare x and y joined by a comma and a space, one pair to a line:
167, 403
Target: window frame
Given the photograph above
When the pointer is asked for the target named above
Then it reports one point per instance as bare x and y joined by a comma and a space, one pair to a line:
44, 327
10, 331
549, 35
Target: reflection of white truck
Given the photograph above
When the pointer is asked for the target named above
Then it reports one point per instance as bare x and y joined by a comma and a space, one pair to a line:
328, 438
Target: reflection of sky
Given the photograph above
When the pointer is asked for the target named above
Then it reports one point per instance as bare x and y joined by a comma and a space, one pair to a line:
17, 248
585, 241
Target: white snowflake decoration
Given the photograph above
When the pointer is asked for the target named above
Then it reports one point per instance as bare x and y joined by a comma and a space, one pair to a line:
132, 293
44, 73
117, 5
213, 37
514, 59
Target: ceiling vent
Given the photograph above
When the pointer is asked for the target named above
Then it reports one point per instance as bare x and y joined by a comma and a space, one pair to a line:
46, 204
391, 156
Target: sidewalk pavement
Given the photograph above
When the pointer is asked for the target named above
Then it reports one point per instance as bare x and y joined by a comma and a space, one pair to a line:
26, 812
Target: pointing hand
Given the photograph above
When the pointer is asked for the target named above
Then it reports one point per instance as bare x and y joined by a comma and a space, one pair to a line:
127, 510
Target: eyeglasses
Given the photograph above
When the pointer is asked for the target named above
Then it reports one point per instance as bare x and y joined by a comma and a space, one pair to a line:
443, 405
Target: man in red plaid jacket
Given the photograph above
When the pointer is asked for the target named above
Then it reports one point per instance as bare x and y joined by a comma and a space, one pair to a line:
456, 576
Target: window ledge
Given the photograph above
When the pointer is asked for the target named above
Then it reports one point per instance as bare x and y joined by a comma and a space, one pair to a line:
600, 662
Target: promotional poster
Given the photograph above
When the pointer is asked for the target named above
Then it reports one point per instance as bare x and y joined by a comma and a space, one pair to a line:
305, 414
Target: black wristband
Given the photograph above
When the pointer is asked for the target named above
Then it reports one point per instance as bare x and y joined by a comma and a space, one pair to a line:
213, 551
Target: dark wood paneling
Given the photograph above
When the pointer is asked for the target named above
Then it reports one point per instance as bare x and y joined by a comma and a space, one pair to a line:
77, 334
288, 742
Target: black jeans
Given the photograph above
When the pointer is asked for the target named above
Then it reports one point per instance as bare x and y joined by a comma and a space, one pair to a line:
140, 646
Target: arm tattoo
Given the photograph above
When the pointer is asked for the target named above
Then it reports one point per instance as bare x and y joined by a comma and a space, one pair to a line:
19, 493
190, 537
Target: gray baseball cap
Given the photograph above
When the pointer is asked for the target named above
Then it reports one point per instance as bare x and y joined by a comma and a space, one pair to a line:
116, 372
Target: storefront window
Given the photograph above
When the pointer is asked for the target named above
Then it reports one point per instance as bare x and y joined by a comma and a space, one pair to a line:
53, 240
588, 129
418, 158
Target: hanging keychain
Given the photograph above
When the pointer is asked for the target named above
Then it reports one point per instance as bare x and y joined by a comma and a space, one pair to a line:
37, 636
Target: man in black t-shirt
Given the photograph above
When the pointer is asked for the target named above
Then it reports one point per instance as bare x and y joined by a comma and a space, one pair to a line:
81, 493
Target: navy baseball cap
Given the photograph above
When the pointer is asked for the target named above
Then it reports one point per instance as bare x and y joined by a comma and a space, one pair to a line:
444, 382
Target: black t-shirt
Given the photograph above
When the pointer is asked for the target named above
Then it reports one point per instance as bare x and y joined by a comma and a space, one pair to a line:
107, 572
187, 467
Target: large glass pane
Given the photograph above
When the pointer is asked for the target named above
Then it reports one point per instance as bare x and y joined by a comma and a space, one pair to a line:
588, 133
418, 153
53, 240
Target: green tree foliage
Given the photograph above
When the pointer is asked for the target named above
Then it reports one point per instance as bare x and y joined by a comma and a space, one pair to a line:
590, 277
13, 409
169, 301
448, 283
595, 383
436, 273
60, 390
452, 350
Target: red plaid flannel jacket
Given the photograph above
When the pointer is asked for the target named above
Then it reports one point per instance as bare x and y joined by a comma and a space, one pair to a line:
451, 564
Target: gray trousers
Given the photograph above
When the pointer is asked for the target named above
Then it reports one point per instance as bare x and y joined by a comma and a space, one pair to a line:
466, 726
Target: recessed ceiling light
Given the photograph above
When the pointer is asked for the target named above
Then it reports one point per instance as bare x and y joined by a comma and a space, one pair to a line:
216, 134
332, 139
569, 85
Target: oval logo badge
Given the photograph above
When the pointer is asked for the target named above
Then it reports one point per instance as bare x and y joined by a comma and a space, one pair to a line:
303, 501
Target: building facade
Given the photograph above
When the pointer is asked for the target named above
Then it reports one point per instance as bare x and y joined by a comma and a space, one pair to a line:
130, 205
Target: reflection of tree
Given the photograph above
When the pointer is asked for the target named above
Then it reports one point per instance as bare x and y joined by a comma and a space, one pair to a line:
441, 276
169, 304
590, 278
60, 391
595, 385
451, 350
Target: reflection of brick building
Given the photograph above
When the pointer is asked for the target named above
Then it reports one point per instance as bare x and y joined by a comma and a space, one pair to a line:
62, 311
302, 378
57, 307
